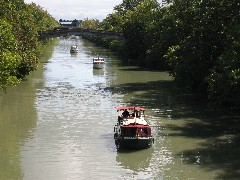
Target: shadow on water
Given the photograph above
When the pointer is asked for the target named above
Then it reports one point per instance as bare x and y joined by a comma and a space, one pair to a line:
218, 130
151, 94
221, 133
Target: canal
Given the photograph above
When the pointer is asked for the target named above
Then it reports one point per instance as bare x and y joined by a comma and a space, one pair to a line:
58, 123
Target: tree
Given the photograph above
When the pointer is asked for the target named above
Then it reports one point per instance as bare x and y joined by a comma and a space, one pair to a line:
136, 28
19, 27
127, 5
9, 57
90, 23
205, 57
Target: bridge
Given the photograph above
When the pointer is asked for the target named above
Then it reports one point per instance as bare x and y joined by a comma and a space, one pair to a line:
75, 31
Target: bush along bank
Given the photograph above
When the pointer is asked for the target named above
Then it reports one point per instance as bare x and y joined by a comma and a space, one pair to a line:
19, 44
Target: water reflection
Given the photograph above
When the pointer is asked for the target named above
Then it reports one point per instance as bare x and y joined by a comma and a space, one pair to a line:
135, 160
18, 118
98, 72
74, 55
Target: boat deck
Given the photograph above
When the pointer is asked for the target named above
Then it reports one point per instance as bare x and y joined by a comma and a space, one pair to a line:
132, 120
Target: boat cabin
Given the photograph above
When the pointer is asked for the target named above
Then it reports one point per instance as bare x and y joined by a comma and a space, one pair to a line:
135, 130
98, 59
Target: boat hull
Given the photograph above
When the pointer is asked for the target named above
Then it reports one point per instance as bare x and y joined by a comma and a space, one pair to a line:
73, 51
98, 65
134, 142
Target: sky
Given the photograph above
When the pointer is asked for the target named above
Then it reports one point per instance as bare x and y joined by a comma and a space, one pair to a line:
77, 9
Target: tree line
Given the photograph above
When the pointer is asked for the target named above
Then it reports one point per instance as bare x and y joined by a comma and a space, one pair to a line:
198, 41
19, 44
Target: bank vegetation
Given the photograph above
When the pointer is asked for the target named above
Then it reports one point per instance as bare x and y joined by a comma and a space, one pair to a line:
19, 44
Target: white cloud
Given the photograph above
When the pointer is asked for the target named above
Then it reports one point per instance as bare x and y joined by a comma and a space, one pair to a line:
77, 9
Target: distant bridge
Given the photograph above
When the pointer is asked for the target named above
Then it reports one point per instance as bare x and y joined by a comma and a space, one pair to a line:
73, 31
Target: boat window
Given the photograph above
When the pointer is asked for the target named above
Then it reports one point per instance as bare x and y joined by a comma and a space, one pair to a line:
144, 131
138, 113
149, 131
129, 131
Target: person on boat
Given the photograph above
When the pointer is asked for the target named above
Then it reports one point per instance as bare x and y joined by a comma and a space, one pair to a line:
135, 113
125, 113
143, 132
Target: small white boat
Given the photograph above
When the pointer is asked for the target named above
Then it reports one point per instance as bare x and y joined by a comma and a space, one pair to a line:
74, 49
98, 63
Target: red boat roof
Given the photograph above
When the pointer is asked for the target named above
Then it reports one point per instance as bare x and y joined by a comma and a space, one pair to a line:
130, 108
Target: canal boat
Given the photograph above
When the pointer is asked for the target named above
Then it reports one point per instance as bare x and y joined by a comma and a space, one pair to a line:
132, 131
74, 49
98, 63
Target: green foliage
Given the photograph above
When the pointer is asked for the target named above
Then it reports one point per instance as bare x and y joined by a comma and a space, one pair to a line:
19, 26
8, 64
138, 32
224, 78
9, 57
116, 20
127, 5
161, 35
116, 46
113, 22
208, 48
90, 24
136, 19
111, 44
40, 16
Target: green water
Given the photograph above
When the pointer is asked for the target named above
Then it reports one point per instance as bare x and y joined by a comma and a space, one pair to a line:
58, 123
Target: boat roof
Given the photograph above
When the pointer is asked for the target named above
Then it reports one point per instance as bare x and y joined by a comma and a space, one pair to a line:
130, 108
98, 58
136, 126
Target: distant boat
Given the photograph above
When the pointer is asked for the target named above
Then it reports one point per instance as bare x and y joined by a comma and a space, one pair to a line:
132, 131
74, 49
98, 63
